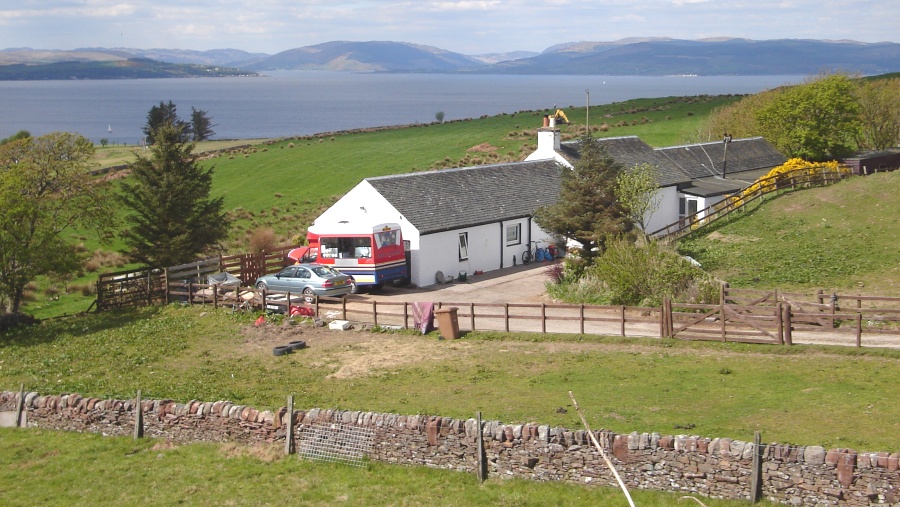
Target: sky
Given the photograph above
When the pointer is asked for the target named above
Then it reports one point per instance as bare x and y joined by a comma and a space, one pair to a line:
464, 26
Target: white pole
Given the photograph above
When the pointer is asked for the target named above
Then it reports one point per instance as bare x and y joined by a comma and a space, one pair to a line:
602, 454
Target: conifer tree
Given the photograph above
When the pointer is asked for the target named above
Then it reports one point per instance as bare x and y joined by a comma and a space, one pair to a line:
172, 218
587, 209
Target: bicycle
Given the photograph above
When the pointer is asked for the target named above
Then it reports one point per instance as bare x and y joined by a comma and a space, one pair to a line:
538, 253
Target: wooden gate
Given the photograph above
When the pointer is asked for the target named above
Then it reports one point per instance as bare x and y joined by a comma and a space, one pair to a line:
727, 323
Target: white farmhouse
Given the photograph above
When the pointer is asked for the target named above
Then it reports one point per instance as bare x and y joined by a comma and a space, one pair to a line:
480, 218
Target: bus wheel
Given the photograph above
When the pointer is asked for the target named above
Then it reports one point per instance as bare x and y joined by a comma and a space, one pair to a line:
377, 287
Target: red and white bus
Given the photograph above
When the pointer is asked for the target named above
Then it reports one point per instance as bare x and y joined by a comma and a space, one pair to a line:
372, 255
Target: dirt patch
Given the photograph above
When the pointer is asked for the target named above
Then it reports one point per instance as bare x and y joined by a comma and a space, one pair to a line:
724, 238
483, 148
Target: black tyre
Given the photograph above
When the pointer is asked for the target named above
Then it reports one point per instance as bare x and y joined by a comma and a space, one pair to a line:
309, 295
297, 345
281, 350
526, 257
354, 289
262, 286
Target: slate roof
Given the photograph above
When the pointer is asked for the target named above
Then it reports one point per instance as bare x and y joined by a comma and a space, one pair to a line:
707, 159
680, 165
630, 151
437, 201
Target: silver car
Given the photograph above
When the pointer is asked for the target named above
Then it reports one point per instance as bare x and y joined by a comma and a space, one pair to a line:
308, 279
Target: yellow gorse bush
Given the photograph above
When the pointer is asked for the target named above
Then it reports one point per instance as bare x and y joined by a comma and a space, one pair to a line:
795, 170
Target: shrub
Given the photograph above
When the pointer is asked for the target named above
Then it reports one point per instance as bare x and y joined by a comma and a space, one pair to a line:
262, 239
645, 274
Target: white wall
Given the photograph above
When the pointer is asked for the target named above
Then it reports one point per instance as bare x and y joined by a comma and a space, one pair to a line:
667, 213
488, 250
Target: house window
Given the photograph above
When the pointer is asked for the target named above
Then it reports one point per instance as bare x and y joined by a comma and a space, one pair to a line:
463, 246
514, 234
686, 207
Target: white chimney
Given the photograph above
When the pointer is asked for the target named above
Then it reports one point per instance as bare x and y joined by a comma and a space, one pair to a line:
548, 145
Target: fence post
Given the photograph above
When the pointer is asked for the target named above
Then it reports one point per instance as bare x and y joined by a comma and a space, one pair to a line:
472, 315
543, 318
344, 308
215, 297
623, 320
506, 316
858, 330
190, 293
788, 338
289, 431
375, 312
482, 461
779, 310
756, 473
405, 315
20, 405
138, 417
722, 315
582, 318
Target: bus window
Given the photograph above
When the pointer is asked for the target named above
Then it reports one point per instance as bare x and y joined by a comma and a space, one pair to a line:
346, 248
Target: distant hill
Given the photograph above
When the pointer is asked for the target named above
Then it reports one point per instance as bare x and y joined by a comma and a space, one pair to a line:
708, 57
367, 57
133, 68
651, 56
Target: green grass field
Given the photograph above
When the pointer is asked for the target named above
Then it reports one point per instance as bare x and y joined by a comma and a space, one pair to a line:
842, 237
836, 397
803, 395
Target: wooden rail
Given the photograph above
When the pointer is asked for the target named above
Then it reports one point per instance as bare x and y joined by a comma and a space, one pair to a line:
760, 189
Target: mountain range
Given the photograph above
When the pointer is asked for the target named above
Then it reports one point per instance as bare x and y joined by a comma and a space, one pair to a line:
633, 56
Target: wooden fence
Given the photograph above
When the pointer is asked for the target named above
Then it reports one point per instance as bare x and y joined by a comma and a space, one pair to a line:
760, 317
796, 178
141, 287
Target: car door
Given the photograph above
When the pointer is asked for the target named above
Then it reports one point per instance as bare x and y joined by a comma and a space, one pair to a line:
284, 279
302, 279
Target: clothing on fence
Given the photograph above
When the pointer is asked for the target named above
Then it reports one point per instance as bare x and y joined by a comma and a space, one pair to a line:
423, 316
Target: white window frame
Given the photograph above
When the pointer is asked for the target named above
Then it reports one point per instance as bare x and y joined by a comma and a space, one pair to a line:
516, 230
463, 242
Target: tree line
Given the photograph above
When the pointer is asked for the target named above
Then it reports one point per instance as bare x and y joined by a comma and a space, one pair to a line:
826, 118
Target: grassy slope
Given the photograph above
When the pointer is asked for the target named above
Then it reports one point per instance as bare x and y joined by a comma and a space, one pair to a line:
714, 389
842, 237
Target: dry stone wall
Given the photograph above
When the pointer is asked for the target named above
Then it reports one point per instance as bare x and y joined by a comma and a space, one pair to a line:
713, 467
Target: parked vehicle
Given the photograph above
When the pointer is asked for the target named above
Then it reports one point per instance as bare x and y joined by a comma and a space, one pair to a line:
372, 255
311, 280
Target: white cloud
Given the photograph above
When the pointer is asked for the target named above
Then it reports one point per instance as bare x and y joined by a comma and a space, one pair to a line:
468, 26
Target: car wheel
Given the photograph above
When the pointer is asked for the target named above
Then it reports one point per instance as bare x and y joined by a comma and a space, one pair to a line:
309, 295
354, 289
262, 286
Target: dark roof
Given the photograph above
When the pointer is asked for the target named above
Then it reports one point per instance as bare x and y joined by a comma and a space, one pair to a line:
437, 201
679, 165
707, 159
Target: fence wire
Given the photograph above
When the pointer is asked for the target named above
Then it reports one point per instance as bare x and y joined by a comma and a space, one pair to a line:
336, 442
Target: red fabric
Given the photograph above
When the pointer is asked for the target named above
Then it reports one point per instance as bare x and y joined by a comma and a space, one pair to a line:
260, 321
301, 310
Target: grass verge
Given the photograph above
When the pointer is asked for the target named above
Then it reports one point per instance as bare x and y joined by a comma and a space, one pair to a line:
83, 469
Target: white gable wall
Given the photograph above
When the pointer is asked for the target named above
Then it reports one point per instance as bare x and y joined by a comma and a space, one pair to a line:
666, 213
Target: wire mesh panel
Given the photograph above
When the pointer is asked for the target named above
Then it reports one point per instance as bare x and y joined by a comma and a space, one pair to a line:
336, 442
